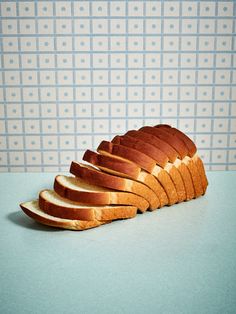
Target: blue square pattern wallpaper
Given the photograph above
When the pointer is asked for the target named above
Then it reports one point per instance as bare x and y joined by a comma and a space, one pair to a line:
76, 72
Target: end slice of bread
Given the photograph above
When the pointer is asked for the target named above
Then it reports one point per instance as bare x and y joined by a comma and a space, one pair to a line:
33, 210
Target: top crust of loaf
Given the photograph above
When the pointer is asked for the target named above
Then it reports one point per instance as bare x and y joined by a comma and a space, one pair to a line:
156, 154
176, 144
192, 149
148, 136
131, 154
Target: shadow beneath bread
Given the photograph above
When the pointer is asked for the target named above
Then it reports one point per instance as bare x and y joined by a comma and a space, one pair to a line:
22, 220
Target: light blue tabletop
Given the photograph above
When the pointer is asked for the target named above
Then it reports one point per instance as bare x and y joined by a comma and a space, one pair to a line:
180, 259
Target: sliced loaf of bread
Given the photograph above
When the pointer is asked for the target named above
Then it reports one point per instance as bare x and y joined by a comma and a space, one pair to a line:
142, 169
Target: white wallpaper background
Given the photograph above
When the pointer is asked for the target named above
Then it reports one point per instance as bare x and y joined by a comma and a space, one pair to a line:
76, 72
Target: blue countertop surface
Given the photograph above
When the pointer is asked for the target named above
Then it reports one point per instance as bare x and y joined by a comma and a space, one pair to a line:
179, 259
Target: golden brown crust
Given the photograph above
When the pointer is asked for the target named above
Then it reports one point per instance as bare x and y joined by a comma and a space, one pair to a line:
161, 144
178, 182
173, 140
156, 154
131, 154
192, 149
153, 199
165, 180
200, 166
152, 182
187, 179
117, 212
195, 177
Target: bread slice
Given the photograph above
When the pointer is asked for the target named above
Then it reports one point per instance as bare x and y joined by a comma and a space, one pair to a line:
53, 204
33, 210
121, 167
76, 190
161, 175
96, 177
195, 167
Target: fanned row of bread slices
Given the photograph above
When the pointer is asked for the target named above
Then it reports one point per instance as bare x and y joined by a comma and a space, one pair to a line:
141, 170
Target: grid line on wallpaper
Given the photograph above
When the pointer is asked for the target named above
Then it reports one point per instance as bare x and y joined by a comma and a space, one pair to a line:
73, 73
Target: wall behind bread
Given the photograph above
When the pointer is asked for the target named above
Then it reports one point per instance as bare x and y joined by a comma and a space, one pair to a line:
76, 72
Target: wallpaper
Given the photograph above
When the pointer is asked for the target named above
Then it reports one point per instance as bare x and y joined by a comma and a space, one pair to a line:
76, 72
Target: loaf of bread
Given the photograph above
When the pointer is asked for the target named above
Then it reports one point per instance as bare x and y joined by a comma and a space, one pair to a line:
141, 170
